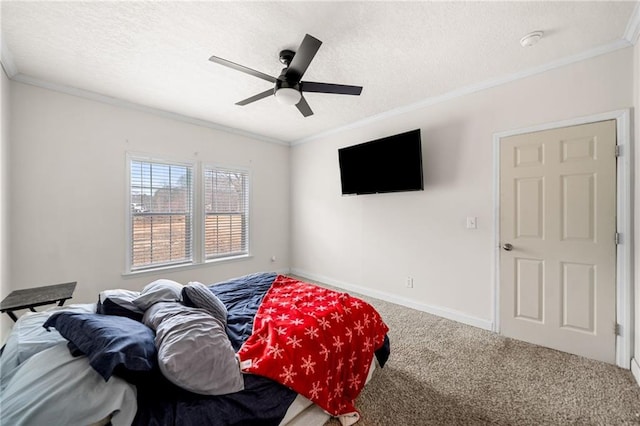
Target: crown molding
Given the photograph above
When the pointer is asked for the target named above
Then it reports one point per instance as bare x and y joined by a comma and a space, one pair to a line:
631, 36
632, 33
602, 50
69, 90
6, 59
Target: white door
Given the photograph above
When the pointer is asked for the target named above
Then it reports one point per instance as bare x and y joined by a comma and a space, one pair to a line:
557, 232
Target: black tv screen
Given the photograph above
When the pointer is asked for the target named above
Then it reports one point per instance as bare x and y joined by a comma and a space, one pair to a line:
390, 164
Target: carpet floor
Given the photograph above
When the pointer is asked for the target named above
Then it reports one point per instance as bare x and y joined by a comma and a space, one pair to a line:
442, 372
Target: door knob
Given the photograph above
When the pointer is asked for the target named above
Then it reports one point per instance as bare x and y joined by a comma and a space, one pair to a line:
507, 247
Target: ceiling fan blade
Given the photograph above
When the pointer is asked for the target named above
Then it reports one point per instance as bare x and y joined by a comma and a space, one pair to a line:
304, 107
300, 62
340, 89
243, 69
256, 97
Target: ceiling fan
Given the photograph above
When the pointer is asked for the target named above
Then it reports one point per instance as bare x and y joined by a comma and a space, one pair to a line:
289, 86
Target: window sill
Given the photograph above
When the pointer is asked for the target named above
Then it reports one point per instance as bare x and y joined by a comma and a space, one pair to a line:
186, 266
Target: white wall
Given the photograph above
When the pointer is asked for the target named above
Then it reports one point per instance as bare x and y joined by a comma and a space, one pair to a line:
68, 186
5, 322
376, 241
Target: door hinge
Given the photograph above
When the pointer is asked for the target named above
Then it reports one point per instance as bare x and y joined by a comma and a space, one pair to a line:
618, 150
618, 238
616, 329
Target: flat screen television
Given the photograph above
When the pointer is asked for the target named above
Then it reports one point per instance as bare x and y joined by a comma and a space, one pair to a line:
390, 164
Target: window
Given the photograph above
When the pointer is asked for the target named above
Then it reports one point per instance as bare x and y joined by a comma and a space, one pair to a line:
170, 223
226, 212
161, 214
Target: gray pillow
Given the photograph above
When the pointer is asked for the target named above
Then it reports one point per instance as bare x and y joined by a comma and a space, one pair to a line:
161, 290
194, 351
198, 295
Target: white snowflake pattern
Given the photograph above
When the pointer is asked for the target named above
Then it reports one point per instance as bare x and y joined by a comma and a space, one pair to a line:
308, 304
337, 317
349, 333
324, 352
307, 364
367, 345
359, 328
352, 360
270, 310
276, 351
321, 308
274, 299
312, 332
262, 339
333, 303
366, 320
283, 317
354, 381
329, 381
294, 342
281, 330
324, 323
356, 304
284, 303
297, 299
347, 309
338, 390
310, 294
297, 321
315, 390
337, 343
340, 365
288, 374
321, 298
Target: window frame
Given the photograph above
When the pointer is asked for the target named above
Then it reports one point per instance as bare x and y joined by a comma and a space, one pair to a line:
192, 167
198, 214
203, 212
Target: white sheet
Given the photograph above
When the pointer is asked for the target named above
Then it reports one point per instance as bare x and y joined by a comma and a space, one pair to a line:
52, 387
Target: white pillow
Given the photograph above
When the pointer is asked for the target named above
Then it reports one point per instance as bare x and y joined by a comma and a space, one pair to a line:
161, 290
194, 351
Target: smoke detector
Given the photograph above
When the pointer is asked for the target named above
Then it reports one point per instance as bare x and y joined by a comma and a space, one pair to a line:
531, 38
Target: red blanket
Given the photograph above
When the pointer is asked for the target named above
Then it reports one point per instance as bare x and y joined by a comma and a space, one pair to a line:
316, 341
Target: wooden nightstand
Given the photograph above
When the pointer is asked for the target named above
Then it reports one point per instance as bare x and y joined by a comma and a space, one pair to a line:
31, 297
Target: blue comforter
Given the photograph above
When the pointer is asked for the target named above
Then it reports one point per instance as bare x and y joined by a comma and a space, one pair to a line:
263, 401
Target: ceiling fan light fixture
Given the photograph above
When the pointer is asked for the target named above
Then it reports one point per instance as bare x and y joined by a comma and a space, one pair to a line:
288, 95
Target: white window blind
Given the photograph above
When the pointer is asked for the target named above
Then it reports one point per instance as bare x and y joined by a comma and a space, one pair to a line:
161, 214
226, 212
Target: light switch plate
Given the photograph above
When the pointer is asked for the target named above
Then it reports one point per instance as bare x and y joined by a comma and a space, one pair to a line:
472, 222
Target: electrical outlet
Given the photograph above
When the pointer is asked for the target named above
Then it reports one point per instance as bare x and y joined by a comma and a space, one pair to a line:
409, 282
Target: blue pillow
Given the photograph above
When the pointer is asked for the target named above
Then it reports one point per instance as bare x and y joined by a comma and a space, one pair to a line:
114, 344
119, 302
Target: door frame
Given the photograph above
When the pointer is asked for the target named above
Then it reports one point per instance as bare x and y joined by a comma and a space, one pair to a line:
624, 208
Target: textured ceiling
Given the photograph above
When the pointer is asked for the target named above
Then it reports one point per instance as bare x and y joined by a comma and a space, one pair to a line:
155, 53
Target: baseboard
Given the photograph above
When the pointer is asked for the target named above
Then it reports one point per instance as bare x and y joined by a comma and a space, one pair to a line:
389, 297
635, 369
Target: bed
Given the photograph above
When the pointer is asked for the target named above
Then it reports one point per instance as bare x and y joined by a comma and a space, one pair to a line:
283, 352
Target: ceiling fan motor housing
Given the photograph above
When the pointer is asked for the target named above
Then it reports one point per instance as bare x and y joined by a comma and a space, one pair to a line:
286, 56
